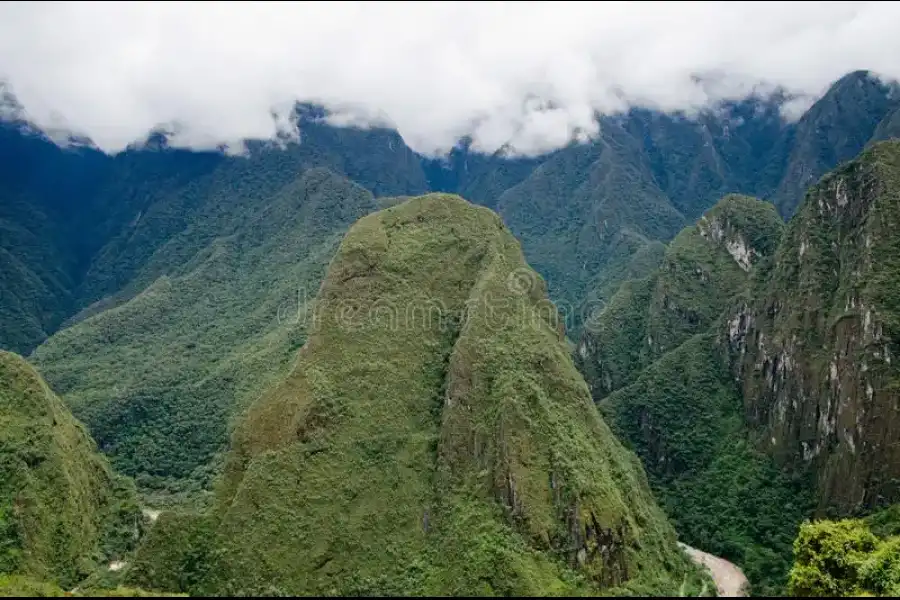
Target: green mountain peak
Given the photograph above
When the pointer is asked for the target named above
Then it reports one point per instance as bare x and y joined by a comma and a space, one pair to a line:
434, 436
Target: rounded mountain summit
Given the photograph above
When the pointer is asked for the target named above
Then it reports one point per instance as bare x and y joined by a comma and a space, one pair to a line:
435, 438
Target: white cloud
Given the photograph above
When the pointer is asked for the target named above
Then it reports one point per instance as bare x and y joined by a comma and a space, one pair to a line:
438, 71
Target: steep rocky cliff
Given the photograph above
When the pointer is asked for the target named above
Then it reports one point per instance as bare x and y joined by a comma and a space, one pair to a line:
815, 347
793, 363
666, 391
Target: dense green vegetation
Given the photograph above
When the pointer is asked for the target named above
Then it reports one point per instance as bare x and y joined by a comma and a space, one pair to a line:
584, 212
683, 416
185, 282
434, 437
783, 399
586, 209
700, 272
81, 224
36, 269
159, 377
845, 558
665, 387
174, 555
62, 509
80, 227
17, 586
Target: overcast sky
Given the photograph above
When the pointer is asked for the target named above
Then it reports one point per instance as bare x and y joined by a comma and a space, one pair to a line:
438, 71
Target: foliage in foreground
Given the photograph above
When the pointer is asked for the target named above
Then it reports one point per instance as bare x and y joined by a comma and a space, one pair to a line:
844, 558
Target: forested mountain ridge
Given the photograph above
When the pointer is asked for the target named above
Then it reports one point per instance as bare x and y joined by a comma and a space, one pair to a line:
81, 224
778, 385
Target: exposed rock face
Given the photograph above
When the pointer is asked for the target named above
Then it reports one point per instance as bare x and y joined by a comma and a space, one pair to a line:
816, 353
733, 241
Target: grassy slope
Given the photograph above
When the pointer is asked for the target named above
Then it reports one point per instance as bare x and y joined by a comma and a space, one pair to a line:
158, 377
62, 510
457, 454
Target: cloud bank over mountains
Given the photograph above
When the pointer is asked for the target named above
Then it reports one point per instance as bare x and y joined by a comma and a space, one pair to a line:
529, 74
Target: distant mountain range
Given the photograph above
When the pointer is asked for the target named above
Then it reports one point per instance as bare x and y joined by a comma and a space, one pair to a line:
80, 225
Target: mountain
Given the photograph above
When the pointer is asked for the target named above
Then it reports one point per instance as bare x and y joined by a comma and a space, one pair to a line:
84, 233
42, 190
815, 350
481, 178
660, 381
835, 129
62, 509
584, 208
434, 437
80, 235
889, 127
703, 267
162, 291
752, 373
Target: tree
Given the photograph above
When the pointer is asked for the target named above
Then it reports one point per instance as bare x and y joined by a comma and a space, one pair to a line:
844, 558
